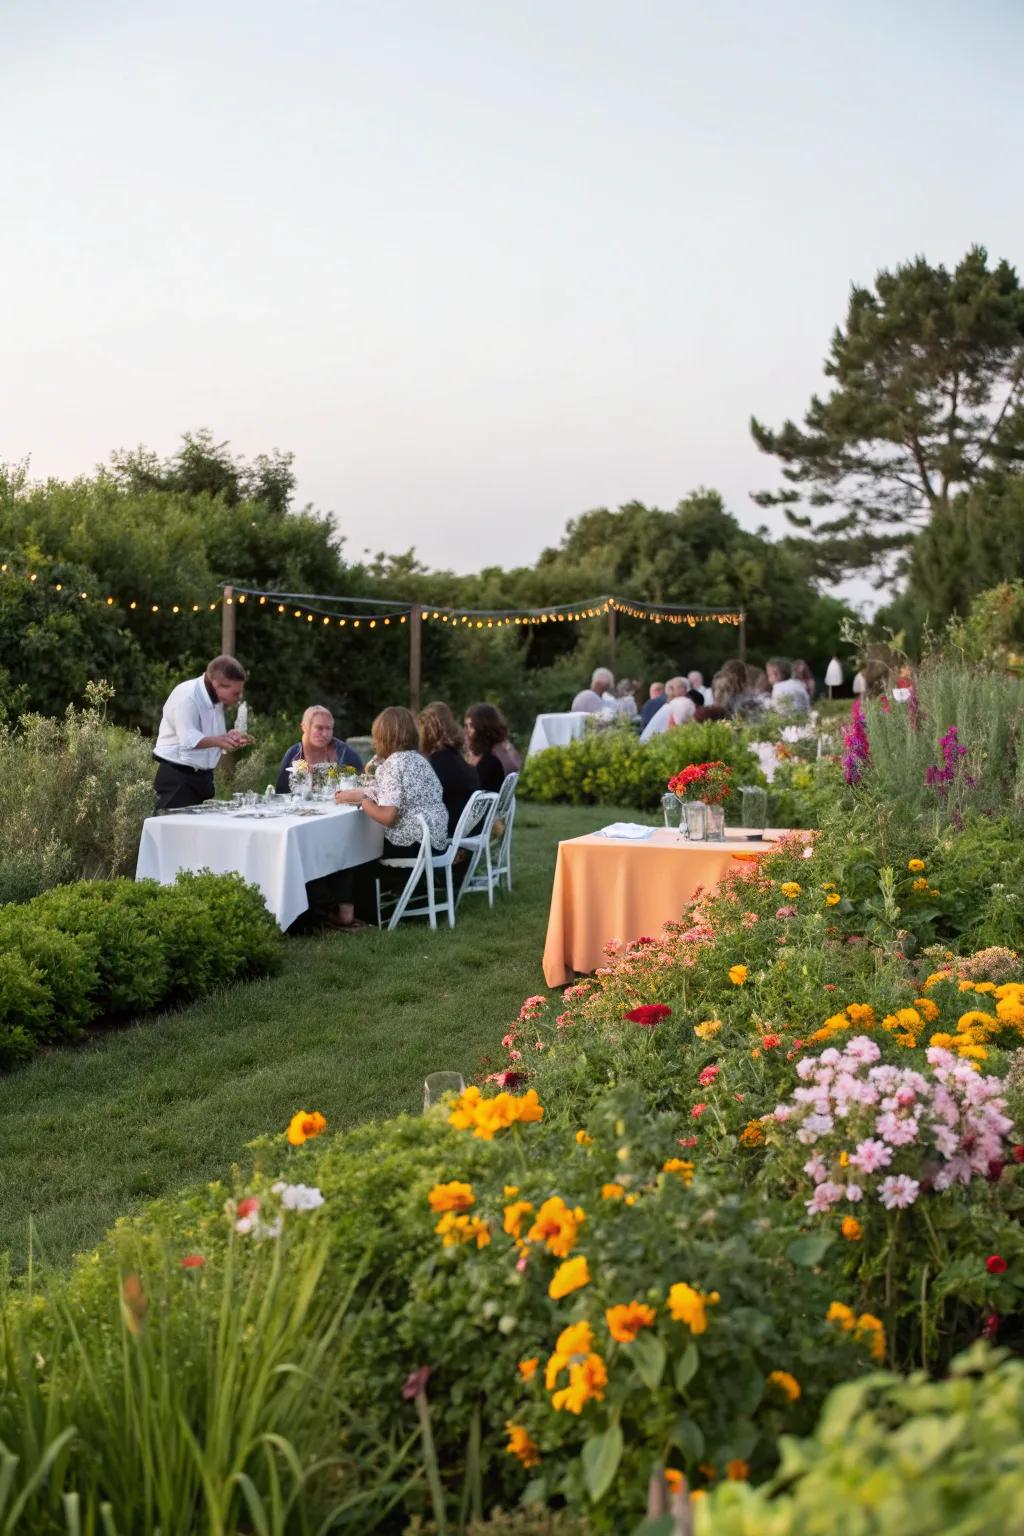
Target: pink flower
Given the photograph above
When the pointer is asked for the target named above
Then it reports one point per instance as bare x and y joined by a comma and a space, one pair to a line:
824, 1198
508, 1080
871, 1155
897, 1132
898, 1191
416, 1383
687, 1141
508, 1040
992, 1323
708, 1076
785, 912
698, 1110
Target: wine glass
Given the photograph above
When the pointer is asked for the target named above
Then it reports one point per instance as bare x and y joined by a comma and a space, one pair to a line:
439, 1086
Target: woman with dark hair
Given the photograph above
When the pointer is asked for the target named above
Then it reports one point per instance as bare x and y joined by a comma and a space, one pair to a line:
441, 743
488, 746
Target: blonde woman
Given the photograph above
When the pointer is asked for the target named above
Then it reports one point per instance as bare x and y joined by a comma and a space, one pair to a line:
318, 745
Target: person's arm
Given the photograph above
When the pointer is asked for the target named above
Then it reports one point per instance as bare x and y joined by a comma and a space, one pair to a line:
185, 717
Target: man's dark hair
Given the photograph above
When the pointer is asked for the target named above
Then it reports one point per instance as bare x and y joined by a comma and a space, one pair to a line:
226, 670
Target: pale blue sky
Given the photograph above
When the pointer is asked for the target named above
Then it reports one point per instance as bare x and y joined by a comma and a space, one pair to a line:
480, 265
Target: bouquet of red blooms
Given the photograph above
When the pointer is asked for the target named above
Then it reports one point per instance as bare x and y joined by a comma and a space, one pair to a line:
702, 781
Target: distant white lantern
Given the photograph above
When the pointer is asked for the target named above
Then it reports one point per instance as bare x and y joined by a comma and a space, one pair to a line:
859, 684
834, 673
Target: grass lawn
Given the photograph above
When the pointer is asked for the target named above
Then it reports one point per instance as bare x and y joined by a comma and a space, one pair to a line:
351, 1027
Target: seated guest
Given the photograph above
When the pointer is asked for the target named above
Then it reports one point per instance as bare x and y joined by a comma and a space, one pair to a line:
696, 682
787, 690
441, 743
735, 688
625, 700
675, 710
803, 674
709, 712
598, 696
404, 788
318, 745
655, 699
487, 745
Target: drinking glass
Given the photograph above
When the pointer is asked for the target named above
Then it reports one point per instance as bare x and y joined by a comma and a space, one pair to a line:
237, 800
716, 823
696, 820
755, 806
672, 810
439, 1086
250, 798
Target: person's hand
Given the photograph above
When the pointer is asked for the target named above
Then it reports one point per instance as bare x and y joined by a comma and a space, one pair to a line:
348, 796
232, 740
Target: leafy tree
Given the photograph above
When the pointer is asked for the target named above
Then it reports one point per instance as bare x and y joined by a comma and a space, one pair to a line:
927, 400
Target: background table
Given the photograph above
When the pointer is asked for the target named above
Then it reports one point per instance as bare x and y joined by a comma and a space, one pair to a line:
606, 888
278, 854
556, 731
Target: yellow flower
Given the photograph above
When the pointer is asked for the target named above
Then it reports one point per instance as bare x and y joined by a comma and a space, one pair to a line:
831, 900
840, 1313
791, 889
908, 1018
708, 1029
557, 1227
587, 1380
485, 1117
928, 1010
456, 1229
942, 1039
920, 884
304, 1126
861, 1013
973, 1052
965, 986
520, 1444
568, 1277
626, 1320
787, 1384
583, 1140
873, 1330
690, 1307
984, 986
612, 1191
738, 974
682, 1167
514, 1215
1011, 1010
905, 1038
1010, 989
829, 885
510, 1191
752, 1134
934, 979
934, 892
573, 1343
851, 1229
844, 1159
737, 1471
528, 1368
916, 866
975, 1020
451, 1197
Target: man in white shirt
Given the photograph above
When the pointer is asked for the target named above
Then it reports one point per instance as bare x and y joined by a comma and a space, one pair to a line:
677, 709
788, 692
192, 734
696, 682
599, 696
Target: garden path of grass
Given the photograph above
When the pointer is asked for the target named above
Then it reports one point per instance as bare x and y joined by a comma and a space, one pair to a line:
350, 1027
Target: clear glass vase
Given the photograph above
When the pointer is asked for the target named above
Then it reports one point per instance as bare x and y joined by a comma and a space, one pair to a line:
716, 823
696, 816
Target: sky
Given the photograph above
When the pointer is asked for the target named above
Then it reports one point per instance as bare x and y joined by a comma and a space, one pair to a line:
479, 264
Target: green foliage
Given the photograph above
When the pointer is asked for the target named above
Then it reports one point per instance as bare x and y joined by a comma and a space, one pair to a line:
107, 948
612, 768
925, 401
893, 1456
74, 792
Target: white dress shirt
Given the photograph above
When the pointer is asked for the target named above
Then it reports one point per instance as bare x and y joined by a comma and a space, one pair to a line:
677, 711
189, 715
791, 694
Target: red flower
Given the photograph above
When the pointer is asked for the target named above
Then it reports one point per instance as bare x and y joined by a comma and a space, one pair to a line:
1018, 1153
645, 940
687, 1141
193, 1261
996, 1264
708, 1076
769, 1042
995, 1170
991, 1327
249, 1206
649, 1014
698, 1110
416, 1383
509, 1080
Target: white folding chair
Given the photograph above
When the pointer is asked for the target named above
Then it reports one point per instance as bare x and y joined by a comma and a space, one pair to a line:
488, 878
420, 867
473, 833
506, 814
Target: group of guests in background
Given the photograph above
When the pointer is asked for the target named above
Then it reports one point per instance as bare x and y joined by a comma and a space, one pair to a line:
737, 690
427, 767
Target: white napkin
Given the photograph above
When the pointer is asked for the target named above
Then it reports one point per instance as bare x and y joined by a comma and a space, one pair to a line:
631, 831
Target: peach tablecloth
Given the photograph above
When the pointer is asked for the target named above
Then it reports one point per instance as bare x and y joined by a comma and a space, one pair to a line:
610, 889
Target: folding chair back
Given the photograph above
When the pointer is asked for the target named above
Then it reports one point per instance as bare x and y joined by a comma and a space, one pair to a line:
506, 814
473, 833
420, 867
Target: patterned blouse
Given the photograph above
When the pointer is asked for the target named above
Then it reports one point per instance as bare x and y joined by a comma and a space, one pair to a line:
406, 779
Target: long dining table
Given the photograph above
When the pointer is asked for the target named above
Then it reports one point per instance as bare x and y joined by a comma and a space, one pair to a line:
609, 889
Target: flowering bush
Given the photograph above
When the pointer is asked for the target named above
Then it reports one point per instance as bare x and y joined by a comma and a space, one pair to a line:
709, 782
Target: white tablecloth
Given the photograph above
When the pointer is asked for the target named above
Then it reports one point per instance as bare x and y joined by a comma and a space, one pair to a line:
278, 854
555, 731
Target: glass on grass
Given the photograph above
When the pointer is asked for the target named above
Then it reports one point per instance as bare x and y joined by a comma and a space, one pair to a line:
438, 1087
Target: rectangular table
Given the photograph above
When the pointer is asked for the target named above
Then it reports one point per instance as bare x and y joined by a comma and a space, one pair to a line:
556, 731
607, 889
279, 854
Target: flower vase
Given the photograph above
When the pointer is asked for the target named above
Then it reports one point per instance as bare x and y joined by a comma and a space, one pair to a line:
716, 823
696, 814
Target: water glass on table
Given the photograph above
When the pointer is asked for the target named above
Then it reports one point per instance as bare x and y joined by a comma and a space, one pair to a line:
439, 1086
672, 810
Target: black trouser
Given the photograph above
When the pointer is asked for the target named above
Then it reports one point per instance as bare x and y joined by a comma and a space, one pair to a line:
178, 787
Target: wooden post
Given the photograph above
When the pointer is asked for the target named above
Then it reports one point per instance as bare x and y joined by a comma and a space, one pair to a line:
743, 635
227, 622
415, 657
611, 637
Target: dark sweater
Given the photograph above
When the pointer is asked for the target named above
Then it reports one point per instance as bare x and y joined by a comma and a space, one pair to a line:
458, 782
490, 771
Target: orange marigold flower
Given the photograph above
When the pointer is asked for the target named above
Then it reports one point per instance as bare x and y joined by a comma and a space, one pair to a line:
862, 1014
454, 1229
515, 1215
557, 1226
587, 1380
851, 1229
738, 974
568, 1277
626, 1320
455, 1196
304, 1126
681, 1166
583, 1139
612, 1191
528, 1368
928, 1010
690, 1306
916, 866
674, 1480
737, 1471
752, 1134
787, 1384
831, 900
520, 1444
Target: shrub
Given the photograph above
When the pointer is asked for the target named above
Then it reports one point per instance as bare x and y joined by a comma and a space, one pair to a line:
612, 768
104, 948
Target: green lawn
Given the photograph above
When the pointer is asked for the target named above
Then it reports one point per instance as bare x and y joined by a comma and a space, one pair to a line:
351, 1026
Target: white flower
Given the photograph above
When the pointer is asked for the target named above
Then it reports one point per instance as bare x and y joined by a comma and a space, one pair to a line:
298, 1197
